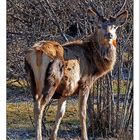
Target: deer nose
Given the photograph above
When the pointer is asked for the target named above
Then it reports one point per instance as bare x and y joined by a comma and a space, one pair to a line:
109, 35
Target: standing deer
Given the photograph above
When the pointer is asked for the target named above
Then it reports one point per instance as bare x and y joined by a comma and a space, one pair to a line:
57, 71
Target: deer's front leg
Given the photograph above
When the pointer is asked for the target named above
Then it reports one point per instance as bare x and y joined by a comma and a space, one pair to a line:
83, 97
60, 113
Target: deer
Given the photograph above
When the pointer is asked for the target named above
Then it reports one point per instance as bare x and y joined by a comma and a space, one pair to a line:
60, 71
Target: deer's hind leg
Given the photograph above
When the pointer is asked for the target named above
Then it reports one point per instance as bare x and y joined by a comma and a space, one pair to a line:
54, 75
60, 113
36, 91
42, 96
38, 114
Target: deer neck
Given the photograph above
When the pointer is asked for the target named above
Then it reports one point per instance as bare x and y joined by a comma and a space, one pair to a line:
103, 56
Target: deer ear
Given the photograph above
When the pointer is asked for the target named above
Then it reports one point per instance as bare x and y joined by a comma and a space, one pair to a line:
121, 18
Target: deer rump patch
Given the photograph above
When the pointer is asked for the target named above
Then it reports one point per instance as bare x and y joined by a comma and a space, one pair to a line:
39, 57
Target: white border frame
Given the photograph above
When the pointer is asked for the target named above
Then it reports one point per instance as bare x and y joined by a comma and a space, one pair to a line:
3, 69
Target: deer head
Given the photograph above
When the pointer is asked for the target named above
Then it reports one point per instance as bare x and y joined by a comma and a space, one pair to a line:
106, 27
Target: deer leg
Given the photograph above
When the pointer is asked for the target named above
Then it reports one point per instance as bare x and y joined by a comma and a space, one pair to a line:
38, 113
53, 78
54, 75
60, 113
39, 106
83, 97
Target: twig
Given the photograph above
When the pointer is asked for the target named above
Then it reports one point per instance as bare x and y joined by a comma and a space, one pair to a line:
55, 20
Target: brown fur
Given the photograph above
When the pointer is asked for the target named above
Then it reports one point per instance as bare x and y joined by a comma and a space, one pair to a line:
114, 43
52, 49
39, 58
68, 81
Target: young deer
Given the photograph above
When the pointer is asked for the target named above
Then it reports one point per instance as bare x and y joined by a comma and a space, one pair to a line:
59, 73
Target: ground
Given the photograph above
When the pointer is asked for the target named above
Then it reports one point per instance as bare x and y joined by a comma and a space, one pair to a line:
20, 121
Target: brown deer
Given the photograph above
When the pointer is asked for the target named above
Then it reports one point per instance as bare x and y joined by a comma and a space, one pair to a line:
59, 73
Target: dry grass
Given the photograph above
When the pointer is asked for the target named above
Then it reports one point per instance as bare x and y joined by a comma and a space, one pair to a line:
20, 118
19, 113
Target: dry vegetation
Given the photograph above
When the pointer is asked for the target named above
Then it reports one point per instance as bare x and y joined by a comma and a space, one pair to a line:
110, 106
